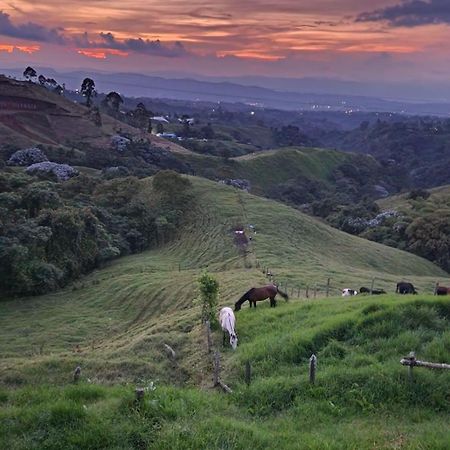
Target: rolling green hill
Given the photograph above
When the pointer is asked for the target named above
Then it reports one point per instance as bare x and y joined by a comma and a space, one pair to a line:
437, 201
127, 310
266, 170
114, 324
417, 221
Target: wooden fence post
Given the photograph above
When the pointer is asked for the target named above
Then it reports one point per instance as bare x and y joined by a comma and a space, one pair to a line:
307, 291
208, 336
371, 286
248, 372
436, 287
216, 368
312, 368
139, 392
328, 286
412, 359
216, 380
77, 374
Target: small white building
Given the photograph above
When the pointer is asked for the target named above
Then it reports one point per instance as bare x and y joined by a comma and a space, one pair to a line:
160, 119
167, 135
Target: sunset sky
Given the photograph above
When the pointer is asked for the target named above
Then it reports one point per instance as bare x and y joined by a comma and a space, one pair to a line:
349, 39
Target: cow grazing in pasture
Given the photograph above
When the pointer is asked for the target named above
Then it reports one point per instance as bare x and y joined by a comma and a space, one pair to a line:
364, 290
348, 292
405, 288
228, 324
442, 290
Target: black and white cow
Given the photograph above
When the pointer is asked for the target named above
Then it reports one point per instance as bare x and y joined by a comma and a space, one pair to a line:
348, 292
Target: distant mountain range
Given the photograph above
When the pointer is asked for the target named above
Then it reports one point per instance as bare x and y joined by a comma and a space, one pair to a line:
309, 94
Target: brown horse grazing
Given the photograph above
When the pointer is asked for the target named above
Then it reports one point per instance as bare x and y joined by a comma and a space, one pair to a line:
261, 293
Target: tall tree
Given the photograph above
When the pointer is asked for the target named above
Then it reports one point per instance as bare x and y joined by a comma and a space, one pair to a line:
29, 73
141, 117
113, 100
88, 90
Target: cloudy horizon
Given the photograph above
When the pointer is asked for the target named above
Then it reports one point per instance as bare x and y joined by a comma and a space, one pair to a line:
361, 40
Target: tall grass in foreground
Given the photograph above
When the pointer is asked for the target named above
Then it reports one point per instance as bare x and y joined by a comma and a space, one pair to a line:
362, 398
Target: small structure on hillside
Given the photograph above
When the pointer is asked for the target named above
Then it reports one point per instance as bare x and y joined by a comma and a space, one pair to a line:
160, 119
240, 238
237, 183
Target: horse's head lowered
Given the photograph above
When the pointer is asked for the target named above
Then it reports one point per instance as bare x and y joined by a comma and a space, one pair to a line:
237, 306
233, 340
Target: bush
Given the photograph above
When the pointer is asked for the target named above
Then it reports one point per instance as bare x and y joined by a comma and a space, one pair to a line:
209, 293
51, 233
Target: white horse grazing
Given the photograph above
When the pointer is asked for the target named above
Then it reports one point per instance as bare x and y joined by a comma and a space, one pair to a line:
228, 322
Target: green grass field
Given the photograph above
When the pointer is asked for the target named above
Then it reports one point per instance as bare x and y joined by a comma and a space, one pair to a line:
438, 201
268, 168
114, 324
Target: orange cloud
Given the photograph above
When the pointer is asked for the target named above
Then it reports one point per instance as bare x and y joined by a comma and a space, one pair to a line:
249, 54
378, 48
97, 53
116, 52
30, 49
6, 48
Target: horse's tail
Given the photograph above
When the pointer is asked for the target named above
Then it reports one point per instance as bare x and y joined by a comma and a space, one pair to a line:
284, 295
246, 296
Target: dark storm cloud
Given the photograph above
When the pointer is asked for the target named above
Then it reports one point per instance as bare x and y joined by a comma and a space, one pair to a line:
411, 13
39, 33
139, 45
29, 31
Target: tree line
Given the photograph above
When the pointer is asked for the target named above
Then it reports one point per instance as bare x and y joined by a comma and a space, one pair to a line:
52, 233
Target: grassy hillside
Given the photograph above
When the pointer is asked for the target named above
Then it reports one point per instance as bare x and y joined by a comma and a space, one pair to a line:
115, 322
57, 121
122, 314
420, 224
438, 201
362, 398
267, 169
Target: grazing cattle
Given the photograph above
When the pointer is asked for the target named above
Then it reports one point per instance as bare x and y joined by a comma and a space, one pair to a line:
365, 290
405, 288
442, 290
348, 292
228, 323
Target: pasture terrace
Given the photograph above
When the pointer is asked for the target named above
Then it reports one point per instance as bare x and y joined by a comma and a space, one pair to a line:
115, 324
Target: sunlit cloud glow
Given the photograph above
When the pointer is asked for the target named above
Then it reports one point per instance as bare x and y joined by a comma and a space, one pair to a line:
30, 49
286, 37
